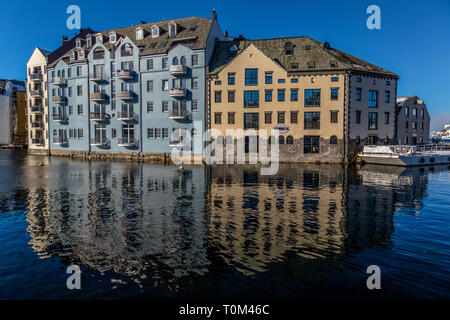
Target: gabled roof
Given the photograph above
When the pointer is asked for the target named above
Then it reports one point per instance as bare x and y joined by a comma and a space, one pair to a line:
308, 55
67, 46
401, 101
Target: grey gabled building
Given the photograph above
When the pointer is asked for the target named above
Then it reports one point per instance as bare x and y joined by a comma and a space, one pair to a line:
412, 121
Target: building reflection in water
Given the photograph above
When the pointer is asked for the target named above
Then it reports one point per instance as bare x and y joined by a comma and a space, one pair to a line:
159, 222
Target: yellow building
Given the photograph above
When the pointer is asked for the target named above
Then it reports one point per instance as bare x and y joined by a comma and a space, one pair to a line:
299, 87
20, 134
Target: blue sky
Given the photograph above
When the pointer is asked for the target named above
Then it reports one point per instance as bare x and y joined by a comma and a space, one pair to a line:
413, 41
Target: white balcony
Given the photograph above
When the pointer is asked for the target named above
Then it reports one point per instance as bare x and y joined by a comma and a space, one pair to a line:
128, 142
98, 77
97, 96
125, 74
100, 142
179, 114
35, 77
60, 140
177, 69
177, 93
36, 93
59, 117
59, 81
127, 116
97, 116
59, 99
125, 95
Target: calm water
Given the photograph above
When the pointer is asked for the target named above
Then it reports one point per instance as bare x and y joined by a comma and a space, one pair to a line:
152, 231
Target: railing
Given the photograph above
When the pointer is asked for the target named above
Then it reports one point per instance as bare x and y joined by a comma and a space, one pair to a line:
36, 76
60, 140
59, 99
128, 142
99, 77
176, 143
125, 74
37, 125
177, 92
36, 93
59, 117
59, 81
97, 96
39, 141
97, 116
405, 150
125, 95
179, 114
127, 116
177, 69
37, 109
100, 141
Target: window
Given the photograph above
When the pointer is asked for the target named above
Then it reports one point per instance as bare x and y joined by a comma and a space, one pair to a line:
294, 94
157, 133
126, 50
172, 30
414, 112
372, 140
99, 53
70, 110
358, 94
280, 117
194, 83
294, 116
334, 79
387, 96
357, 140
312, 120
289, 140
149, 64
373, 121
414, 124
386, 117
79, 90
230, 117
281, 94
164, 62
149, 85
80, 109
72, 55
268, 117
175, 61
149, 106
334, 116
78, 43
334, 93
269, 77
251, 121
280, 139
70, 91
194, 105
406, 125
112, 37
251, 99
88, 42
79, 71
251, 77
165, 85
294, 80
358, 79
288, 48
165, 106
231, 96
217, 96
155, 31
406, 111
218, 118
281, 81
422, 113
69, 72
312, 97
194, 59
311, 144
231, 78
333, 140
268, 95
373, 99
388, 83
150, 133
99, 37
165, 133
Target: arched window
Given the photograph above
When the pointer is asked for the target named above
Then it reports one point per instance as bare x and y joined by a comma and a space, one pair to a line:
59, 73
281, 140
139, 33
289, 140
99, 53
183, 60
220, 140
288, 48
271, 140
229, 140
172, 30
126, 50
155, 31
333, 140
357, 140
175, 61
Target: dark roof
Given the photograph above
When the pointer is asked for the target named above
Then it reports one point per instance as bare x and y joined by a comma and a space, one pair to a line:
308, 55
194, 30
67, 46
405, 100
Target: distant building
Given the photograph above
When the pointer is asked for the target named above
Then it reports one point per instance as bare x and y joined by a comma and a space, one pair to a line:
412, 121
12, 112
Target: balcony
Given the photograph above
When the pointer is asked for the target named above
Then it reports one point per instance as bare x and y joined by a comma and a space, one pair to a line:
38, 141
37, 109
179, 114
100, 142
97, 116
36, 93
128, 142
177, 69
99, 77
97, 96
37, 125
127, 116
176, 143
60, 81
36, 76
60, 117
125, 95
60, 140
59, 99
125, 74
177, 93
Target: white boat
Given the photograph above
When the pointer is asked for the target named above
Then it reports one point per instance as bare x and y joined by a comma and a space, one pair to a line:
441, 136
406, 156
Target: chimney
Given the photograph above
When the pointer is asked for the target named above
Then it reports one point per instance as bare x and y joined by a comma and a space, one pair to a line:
64, 39
226, 33
214, 15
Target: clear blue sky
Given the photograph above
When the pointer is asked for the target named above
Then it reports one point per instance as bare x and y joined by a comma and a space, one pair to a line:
414, 40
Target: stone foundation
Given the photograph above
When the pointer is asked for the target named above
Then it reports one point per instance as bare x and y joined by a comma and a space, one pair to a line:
39, 152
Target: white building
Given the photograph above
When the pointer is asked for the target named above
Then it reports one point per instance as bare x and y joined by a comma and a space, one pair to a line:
7, 89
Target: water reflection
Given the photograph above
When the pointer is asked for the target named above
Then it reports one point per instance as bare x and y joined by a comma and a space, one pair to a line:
158, 225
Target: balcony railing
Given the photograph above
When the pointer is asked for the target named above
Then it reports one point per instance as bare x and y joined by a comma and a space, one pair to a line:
179, 114
177, 69
38, 141
177, 93
37, 109
125, 95
59, 99
97, 96
174, 143
60, 140
98, 116
127, 116
100, 142
37, 125
60, 117
99, 77
36, 93
125, 74
36, 76
128, 142
59, 81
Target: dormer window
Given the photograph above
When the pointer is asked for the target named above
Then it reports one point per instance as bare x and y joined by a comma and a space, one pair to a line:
72, 55
112, 37
88, 42
78, 43
126, 50
155, 31
139, 34
288, 48
99, 37
172, 29
81, 54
